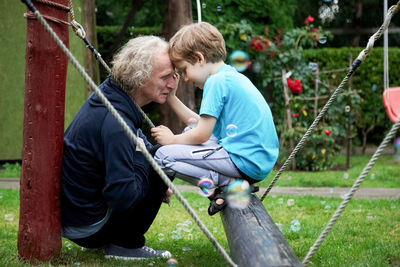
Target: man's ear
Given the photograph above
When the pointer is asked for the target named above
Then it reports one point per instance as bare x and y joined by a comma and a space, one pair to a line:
200, 58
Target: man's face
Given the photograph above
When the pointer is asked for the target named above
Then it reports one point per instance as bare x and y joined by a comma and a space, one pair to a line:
162, 80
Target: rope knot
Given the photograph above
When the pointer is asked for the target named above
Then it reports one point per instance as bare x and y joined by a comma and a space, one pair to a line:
78, 29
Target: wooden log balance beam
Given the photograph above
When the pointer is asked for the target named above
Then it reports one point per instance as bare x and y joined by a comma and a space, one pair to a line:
254, 239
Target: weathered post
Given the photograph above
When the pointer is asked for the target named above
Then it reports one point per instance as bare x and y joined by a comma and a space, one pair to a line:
39, 236
254, 239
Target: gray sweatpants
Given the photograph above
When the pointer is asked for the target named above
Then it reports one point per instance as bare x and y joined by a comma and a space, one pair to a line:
195, 162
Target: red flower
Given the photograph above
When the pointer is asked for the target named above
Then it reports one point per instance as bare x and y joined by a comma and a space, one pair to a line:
314, 29
272, 54
308, 20
258, 44
327, 132
295, 114
294, 86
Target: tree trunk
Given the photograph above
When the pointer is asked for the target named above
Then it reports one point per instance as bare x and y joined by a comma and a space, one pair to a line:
91, 64
179, 12
356, 25
39, 234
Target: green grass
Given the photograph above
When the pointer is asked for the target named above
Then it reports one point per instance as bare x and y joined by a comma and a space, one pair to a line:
384, 174
367, 233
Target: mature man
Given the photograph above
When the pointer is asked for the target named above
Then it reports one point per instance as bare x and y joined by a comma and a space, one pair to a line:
110, 195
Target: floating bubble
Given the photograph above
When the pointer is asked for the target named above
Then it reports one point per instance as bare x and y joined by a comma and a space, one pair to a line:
172, 263
192, 122
203, 5
9, 217
206, 185
231, 130
373, 87
219, 8
372, 176
327, 1
289, 178
215, 229
322, 39
175, 235
160, 236
346, 175
280, 226
313, 66
327, 208
323, 202
68, 245
331, 190
187, 226
295, 225
290, 202
280, 200
189, 237
77, 264
184, 249
238, 194
256, 67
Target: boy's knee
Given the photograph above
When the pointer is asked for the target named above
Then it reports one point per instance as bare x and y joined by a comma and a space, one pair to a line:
161, 157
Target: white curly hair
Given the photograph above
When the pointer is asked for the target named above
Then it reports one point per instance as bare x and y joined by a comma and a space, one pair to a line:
133, 64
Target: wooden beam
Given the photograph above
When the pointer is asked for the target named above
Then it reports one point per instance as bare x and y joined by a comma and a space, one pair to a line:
254, 239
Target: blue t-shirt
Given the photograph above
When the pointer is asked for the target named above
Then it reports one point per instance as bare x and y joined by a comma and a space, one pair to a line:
244, 127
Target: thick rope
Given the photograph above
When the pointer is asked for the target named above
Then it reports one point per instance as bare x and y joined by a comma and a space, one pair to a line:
351, 192
355, 65
129, 132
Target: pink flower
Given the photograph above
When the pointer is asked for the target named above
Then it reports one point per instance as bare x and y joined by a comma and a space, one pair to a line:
294, 86
308, 20
295, 114
327, 132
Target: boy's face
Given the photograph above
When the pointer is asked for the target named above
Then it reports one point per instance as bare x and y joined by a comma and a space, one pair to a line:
196, 73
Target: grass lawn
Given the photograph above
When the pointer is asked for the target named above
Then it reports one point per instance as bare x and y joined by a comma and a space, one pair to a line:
367, 234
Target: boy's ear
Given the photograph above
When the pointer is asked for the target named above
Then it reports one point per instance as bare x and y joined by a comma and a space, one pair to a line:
199, 56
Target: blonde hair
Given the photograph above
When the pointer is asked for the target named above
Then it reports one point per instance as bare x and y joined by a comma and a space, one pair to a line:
133, 64
199, 37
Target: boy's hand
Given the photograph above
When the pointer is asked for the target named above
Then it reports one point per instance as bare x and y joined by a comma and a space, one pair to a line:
173, 92
163, 135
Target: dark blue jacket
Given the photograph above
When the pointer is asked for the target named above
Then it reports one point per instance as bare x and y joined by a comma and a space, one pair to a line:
101, 168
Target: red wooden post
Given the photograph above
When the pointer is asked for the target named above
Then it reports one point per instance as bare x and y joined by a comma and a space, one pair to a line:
39, 236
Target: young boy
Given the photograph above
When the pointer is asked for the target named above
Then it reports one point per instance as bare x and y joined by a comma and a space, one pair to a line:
235, 136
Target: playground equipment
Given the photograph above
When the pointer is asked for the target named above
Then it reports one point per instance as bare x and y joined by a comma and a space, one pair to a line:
273, 249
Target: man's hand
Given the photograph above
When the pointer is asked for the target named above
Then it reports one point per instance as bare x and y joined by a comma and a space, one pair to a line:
163, 135
173, 92
168, 195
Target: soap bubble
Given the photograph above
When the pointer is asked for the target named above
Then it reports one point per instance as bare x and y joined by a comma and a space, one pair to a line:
280, 200
172, 263
372, 176
313, 66
219, 8
203, 5
322, 39
176, 235
280, 226
327, 1
184, 249
192, 122
187, 226
238, 194
160, 236
290, 202
327, 208
9, 217
231, 130
346, 175
205, 185
295, 225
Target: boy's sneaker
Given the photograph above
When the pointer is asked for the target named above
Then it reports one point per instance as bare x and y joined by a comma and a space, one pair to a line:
120, 253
